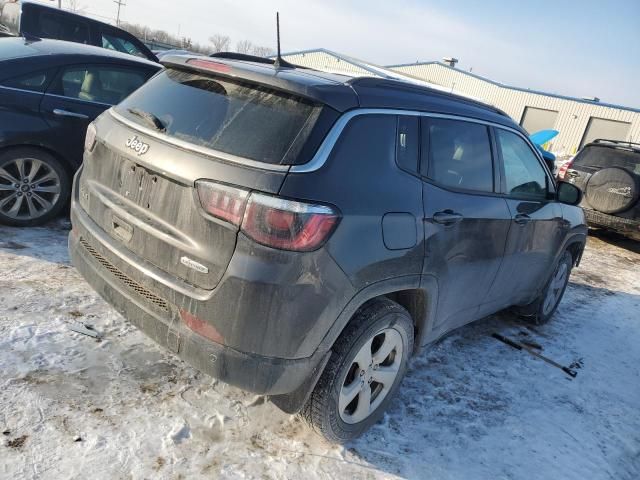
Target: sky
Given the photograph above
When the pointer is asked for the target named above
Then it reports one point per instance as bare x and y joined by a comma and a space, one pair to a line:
582, 48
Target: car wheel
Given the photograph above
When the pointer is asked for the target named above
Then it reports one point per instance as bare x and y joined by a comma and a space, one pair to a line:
542, 309
367, 364
34, 187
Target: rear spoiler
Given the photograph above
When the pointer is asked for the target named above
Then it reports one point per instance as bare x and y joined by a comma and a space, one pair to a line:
338, 96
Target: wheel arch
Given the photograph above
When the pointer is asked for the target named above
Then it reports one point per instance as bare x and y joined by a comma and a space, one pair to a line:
68, 166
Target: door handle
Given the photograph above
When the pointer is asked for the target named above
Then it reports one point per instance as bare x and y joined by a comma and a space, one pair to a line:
66, 113
447, 217
522, 219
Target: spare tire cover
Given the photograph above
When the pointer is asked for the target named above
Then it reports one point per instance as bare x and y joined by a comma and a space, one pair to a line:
612, 190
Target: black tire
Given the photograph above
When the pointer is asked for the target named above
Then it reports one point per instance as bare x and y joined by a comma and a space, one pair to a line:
538, 312
57, 200
372, 323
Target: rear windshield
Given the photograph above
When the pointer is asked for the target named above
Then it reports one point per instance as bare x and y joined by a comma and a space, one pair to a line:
605, 157
240, 119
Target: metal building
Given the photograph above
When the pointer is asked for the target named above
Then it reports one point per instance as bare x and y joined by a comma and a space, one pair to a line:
578, 120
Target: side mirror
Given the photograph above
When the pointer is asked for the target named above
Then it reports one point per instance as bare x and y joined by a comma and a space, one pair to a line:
568, 193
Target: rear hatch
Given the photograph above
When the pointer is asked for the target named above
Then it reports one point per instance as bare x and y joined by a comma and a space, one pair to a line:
140, 177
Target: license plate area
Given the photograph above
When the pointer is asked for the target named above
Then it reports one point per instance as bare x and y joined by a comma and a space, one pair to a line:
121, 229
137, 184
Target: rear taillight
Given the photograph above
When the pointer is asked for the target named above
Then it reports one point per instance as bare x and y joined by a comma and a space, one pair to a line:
222, 201
272, 221
563, 169
90, 138
288, 224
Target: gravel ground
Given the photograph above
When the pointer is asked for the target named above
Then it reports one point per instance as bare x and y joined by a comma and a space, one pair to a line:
72, 407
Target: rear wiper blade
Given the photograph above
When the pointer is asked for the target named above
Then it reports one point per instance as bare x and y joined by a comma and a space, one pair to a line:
150, 118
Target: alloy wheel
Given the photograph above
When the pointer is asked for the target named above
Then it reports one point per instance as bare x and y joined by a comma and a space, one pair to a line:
554, 292
371, 375
29, 188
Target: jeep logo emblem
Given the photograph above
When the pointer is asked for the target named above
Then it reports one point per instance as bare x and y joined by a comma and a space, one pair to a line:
137, 145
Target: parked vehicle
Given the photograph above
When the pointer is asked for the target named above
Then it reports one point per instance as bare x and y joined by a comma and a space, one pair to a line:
49, 92
301, 234
608, 172
20, 18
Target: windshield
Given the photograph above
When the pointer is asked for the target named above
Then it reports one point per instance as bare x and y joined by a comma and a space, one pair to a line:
237, 118
606, 157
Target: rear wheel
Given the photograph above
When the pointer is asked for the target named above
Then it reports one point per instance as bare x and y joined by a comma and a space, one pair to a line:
543, 308
366, 367
34, 187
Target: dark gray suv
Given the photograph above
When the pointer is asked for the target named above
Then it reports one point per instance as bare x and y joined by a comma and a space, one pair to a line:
302, 234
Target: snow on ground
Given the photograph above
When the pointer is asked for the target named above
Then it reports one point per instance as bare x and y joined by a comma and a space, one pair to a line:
471, 407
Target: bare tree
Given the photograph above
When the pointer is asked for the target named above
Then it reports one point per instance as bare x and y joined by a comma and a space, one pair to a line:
220, 42
263, 51
244, 46
74, 6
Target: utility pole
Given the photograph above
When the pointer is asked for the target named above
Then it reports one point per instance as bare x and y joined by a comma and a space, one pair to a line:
120, 3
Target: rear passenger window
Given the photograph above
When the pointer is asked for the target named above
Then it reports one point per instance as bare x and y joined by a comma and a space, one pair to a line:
106, 85
407, 143
459, 154
524, 175
35, 82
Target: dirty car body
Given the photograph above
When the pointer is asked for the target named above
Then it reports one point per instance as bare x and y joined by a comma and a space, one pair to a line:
241, 215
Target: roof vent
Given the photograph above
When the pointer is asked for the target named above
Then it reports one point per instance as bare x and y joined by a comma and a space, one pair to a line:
450, 61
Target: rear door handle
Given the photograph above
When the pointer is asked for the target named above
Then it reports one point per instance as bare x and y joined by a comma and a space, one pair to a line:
66, 113
447, 217
522, 219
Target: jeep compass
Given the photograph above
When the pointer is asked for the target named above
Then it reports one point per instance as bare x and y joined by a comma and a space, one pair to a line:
301, 234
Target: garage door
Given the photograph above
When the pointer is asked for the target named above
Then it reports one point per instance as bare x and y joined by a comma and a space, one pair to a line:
536, 119
607, 129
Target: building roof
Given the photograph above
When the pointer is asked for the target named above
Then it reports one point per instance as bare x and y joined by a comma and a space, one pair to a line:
510, 87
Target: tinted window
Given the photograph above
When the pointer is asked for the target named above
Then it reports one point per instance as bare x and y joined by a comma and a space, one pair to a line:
52, 25
36, 82
121, 44
524, 175
237, 118
407, 142
100, 84
459, 154
605, 157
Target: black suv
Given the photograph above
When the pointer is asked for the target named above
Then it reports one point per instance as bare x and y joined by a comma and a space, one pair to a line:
301, 234
18, 18
608, 172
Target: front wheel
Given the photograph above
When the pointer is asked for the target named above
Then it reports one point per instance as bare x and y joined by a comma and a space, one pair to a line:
367, 364
542, 309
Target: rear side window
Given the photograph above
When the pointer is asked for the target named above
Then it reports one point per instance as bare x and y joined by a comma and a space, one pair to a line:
407, 142
53, 25
34, 82
101, 84
524, 175
237, 118
459, 154
605, 157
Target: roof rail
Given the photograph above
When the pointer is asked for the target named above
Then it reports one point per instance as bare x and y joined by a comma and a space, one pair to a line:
622, 142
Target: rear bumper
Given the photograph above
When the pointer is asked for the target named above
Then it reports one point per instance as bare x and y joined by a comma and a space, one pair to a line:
256, 373
625, 226
272, 309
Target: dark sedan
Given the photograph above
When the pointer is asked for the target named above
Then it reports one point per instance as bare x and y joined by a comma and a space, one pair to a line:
50, 91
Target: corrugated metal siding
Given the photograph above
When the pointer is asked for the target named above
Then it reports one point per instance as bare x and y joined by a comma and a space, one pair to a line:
323, 61
573, 116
